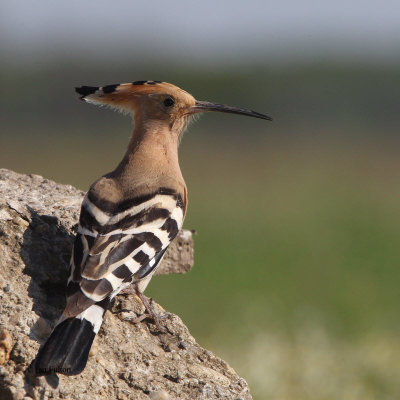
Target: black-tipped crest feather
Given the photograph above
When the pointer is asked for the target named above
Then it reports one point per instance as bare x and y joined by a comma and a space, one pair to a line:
86, 90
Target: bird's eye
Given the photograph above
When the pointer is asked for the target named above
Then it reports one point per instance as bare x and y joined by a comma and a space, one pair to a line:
168, 102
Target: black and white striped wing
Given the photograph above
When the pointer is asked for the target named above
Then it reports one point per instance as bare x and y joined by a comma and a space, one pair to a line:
112, 251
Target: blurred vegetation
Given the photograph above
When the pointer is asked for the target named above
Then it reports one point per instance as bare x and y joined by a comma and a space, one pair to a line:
319, 98
296, 257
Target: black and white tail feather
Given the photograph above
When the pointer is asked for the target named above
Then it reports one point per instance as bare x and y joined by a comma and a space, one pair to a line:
116, 245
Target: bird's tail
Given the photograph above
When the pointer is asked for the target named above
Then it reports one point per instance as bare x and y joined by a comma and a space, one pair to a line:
66, 351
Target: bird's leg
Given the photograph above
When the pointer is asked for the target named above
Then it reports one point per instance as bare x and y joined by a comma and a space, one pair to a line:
150, 311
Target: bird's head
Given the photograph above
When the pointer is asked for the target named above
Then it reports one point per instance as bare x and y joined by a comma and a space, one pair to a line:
156, 103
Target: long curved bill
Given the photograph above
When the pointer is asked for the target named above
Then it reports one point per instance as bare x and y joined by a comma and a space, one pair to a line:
202, 106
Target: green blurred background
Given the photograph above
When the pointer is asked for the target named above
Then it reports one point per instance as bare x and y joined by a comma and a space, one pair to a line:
296, 278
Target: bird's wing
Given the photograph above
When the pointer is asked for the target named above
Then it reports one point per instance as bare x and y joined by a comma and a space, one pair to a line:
113, 250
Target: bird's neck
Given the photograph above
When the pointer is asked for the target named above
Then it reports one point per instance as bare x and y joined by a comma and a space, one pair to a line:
151, 158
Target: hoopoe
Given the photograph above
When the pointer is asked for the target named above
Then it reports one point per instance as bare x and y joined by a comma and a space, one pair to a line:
128, 217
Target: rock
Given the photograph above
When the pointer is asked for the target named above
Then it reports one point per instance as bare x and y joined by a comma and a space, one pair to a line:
128, 361
5, 345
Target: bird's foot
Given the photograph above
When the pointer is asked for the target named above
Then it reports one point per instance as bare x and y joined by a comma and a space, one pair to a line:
151, 313
155, 318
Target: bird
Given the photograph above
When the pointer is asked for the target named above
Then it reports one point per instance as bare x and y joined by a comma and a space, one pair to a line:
128, 217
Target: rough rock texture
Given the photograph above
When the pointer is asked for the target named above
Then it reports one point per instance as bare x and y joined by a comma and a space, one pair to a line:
128, 361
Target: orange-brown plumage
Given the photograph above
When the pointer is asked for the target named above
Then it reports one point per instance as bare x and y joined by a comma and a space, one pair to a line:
131, 97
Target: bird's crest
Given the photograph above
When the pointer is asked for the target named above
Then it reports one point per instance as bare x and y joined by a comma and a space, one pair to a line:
121, 95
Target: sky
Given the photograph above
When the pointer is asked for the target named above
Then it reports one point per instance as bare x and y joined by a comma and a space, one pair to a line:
198, 29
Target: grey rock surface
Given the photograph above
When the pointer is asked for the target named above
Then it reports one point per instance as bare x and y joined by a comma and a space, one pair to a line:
127, 361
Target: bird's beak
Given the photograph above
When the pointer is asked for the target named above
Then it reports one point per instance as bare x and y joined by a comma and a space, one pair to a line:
202, 106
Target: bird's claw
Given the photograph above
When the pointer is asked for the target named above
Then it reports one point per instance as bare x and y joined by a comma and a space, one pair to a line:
154, 317
150, 313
